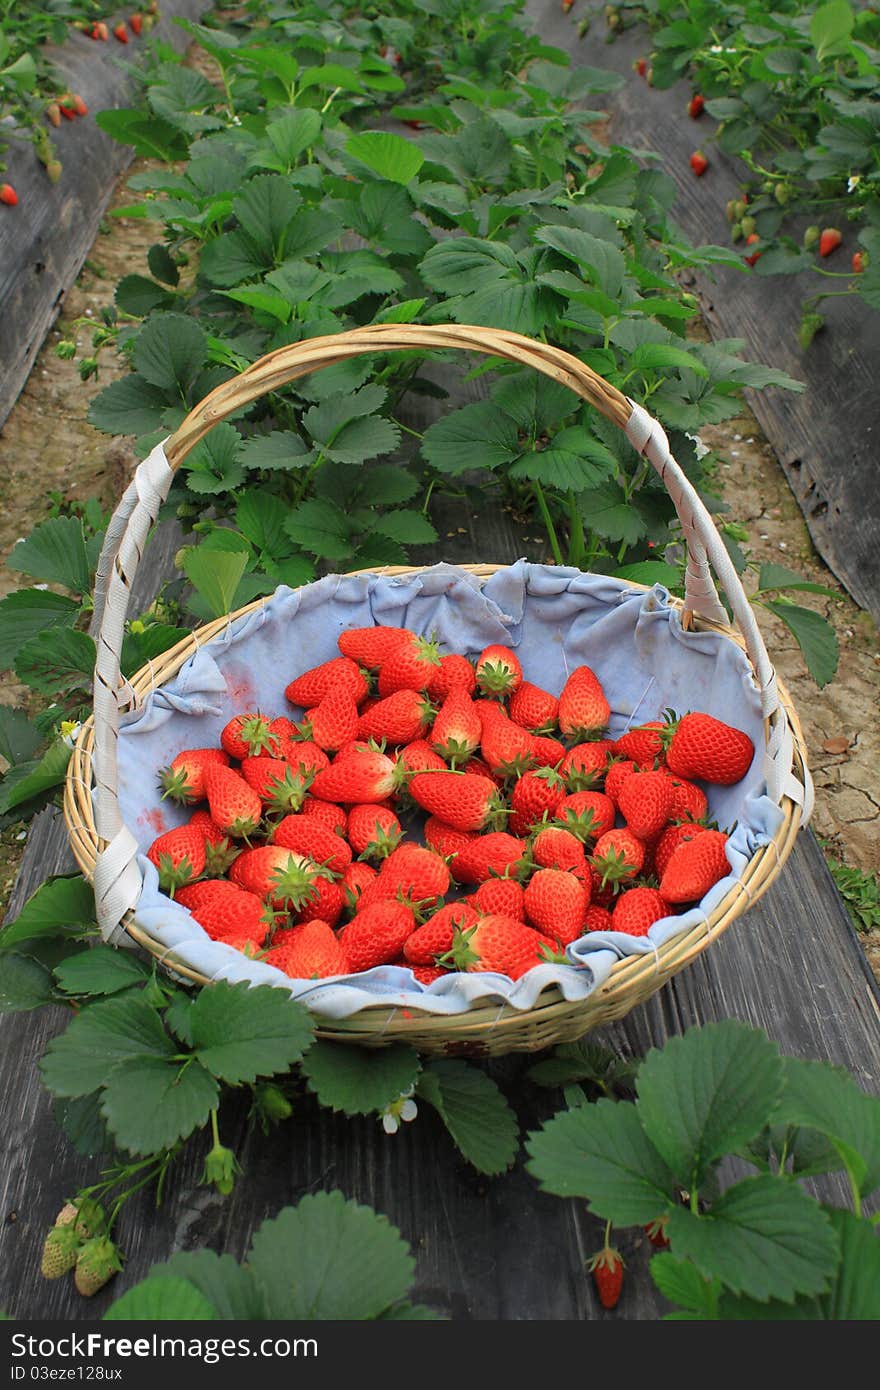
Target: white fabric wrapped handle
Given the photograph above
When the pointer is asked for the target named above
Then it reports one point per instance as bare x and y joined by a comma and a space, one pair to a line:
117, 879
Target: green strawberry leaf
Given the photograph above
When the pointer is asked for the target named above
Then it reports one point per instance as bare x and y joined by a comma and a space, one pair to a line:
55, 551
826, 1099
476, 436
19, 738
57, 661
280, 449
29, 780
389, 156
169, 352
814, 635
359, 1081
151, 1102
228, 1287
215, 575
102, 970
62, 906
129, 406
25, 983
83, 1124
240, 1032
682, 1283
81, 1058
213, 466
481, 1123
162, 1300
27, 612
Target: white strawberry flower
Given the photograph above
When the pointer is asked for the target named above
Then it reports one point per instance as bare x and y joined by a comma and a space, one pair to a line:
403, 1108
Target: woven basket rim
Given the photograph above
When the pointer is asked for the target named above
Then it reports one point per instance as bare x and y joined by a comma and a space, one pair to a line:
485, 1026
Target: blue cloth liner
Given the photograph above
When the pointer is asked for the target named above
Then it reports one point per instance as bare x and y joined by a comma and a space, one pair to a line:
558, 618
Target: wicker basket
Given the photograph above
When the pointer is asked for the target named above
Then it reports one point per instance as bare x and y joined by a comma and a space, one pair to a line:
106, 849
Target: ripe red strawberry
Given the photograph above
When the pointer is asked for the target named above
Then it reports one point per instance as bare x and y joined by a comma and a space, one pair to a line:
247, 735
234, 805
656, 1232
183, 780
500, 944
504, 896
275, 782
829, 240
358, 777
447, 840
411, 666
643, 745
694, 867
688, 800
495, 854
305, 835
313, 953
327, 900
586, 814
640, 66
700, 746
304, 756
136, 23
8, 195
859, 261
226, 911
618, 855
699, 163
377, 934
669, 841
79, 105
508, 749
555, 848
615, 777
755, 256
533, 708
67, 107
371, 646
333, 721
637, 909
425, 974
121, 33
413, 872
338, 674
695, 106
645, 802
396, 719
583, 709
328, 813
464, 800
179, 855
356, 745
546, 752
556, 903
498, 671
457, 729
597, 918
585, 766
455, 672
220, 851
535, 796
373, 831
419, 756
279, 876
356, 878
435, 937
607, 1271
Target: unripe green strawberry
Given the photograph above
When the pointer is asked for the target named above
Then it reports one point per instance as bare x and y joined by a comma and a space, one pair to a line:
67, 1215
60, 1250
96, 1263
749, 225
811, 237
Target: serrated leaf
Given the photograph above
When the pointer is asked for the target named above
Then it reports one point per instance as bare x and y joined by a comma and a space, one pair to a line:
656, 356
572, 461
464, 265
227, 1286
151, 1102
139, 296
140, 647
280, 449
102, 970
606, 511
19, 738
410, 527
290, 135
213, 465
80, 1059
215, 575
169, 352
359, 1081
682, 1283
602, 1153
329, 1259
604, 263
320, 527
55, 551
830, 28
534, 401
389, 156
129, 406
265, 208
60, 907
262, 301
83, 1124
772, 576
162, 1300
477, 436
386, 485
815, 636
31, 779
56, 661
162, 264
27, 612
706, 1094
764, 1237
650, 572
240, 1032
229, 259
363, 439
25, 983
824, 1098
150, 137
473, 1109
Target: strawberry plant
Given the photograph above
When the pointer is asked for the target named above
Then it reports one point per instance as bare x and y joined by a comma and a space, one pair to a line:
745, 1240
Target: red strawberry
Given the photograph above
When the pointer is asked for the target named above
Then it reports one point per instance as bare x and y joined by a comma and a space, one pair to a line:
371, 646
555, 848
643, 745
184, 778
546, 752
859, 261
498, 671
556, 903
276, 784
235, 807
617, 856
640, 66
447, 840
695, 107
377, 934
455, 672
333, 721
829, 240
688, 800
179, 855
425, 974
464, 800
8, 195
586, 814
755, 256
413, 872
457, 729
700, 746
225, 910
328, 813
304, 756
359, 777
490, 855
373, 831
656, 1232
597, 918
694, 867
326, 900
305, 835
219, 851
508, 749
607, 1271
699, 163
399, 718
504, 896
500, 944
356, 878
637, 909
411, 666
586, 765
535, 796
79, 105
583, 709
338, 674
314, 953
435, 937
279, 876
136, 23
121, 33
247, 735
669, 841
533, 708
615, 777
67, 108
419, 756
645, 802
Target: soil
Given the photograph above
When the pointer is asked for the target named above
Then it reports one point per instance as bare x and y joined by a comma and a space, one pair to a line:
48, 428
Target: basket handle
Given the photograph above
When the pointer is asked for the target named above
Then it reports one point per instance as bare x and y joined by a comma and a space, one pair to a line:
117, 879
